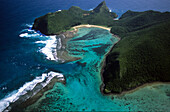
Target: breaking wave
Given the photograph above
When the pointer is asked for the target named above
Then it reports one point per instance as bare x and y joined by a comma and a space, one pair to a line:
52, 43
44, 79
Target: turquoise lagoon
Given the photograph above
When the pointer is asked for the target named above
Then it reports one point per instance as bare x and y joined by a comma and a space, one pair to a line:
82, 89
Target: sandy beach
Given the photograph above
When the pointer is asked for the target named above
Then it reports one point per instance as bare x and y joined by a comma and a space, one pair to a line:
89, 26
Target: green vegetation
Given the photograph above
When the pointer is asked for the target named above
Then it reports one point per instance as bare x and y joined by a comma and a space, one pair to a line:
57, 22
143, 54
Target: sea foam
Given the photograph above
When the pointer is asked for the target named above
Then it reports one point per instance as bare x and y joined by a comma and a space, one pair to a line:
44, 79
29, 35
50, 49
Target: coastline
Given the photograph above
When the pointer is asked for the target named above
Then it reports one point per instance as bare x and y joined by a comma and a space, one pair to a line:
103, 64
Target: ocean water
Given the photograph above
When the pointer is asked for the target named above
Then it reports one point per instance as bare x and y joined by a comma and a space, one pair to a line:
23, 55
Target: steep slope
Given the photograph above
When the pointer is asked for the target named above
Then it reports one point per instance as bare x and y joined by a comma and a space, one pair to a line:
143, 54
60, 21
101, 15
101, 8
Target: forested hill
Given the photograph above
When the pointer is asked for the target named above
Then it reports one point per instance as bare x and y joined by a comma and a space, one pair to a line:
142, 55
60, 21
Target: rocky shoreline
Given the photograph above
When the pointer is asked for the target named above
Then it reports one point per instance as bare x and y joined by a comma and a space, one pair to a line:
63, 53
23, 101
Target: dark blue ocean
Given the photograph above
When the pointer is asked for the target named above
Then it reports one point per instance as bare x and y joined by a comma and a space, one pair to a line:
20, 61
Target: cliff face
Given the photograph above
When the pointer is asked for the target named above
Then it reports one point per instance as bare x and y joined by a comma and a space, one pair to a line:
143, 53
57, 22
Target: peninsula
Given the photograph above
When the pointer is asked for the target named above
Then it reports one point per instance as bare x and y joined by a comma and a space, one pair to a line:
141, 56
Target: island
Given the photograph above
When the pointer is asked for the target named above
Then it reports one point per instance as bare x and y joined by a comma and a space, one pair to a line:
141, 56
